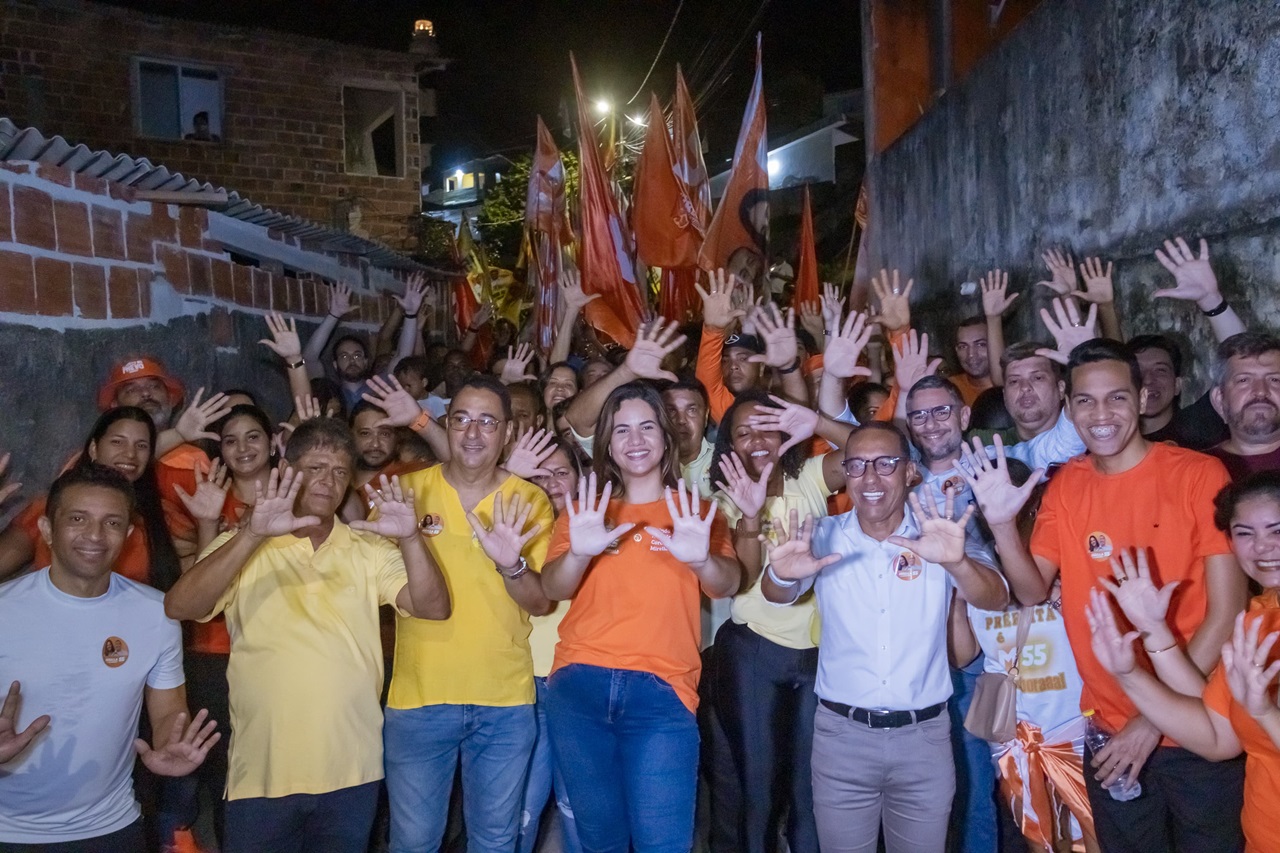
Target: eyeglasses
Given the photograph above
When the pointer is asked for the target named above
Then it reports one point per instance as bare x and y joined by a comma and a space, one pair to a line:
938, 413
884, 465
460, 423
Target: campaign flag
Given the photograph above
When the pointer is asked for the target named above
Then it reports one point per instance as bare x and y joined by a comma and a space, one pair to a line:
738, 236
807, 263
546, 233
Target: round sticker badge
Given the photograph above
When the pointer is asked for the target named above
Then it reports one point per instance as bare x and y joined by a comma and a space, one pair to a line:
431, 525
907, 567
955, 483
115, 652
1099, 546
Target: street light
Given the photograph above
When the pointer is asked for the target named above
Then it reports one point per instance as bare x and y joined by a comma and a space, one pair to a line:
638, 120
603, 107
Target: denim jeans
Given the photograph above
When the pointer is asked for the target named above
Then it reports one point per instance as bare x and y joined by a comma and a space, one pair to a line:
543, 773
628, 748
422, 748
336, 822
973, 816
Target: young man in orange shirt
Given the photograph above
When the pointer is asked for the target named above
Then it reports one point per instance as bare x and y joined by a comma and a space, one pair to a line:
1128, 492
975, 363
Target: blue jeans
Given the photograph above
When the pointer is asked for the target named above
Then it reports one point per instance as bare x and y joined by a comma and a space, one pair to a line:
973, 815
543, 773
422, 748
336, 822
628, 748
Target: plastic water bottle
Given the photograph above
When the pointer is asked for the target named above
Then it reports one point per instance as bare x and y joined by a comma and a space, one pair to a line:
1097, 737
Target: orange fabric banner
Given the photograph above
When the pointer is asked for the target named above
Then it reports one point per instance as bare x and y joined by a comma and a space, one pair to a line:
662, 216
690, 168
738, 236
605, 252
1038, 779
546, 233
807, 264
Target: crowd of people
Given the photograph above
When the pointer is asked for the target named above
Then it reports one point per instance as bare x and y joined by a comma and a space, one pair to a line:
779, 580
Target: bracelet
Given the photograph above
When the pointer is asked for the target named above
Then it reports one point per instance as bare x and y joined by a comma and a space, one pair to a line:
421, 421
777, 580
522, 568
294, 365
412, 316
792, 369
1173, 645
1221, 309
335, 316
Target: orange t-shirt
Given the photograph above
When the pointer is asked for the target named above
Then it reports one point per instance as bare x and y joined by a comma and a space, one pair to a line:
1163, 504
134, 561
1262, 758
178, 468
638, 607
707, 370
969, 389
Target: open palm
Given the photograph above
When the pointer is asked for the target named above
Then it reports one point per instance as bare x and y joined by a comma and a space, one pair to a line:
941, 538
505, 540
588, 533
690, 539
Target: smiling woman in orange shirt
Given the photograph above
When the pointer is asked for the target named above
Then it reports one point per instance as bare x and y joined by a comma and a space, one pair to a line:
624, 687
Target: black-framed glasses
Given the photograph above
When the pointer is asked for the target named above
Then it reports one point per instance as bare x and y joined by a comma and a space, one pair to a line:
459, 423
938, 413
884, 465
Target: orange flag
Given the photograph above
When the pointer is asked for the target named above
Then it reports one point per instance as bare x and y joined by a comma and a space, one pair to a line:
739, 233
807, 263
605, 253
546, 232
690, 167
664, 220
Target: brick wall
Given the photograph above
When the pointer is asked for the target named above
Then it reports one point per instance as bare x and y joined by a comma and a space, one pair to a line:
65, 68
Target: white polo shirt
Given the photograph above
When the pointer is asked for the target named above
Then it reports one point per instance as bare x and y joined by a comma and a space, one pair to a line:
884, 611
84, 662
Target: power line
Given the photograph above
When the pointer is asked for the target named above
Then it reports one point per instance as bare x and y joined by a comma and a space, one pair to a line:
671, 27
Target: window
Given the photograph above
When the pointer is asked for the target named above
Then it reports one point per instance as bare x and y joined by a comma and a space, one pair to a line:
373, 121
174, 101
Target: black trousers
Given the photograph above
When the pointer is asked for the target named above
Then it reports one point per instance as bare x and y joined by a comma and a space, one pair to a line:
127, 840
720, 811
1188, 805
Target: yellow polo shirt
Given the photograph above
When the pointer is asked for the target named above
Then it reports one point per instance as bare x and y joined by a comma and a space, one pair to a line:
306, 662
480, 654
787, 626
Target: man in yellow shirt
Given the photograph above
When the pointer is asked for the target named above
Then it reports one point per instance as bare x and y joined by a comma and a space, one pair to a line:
301, 591
464, 688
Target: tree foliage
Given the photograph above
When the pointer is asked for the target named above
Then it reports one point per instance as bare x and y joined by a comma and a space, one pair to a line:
501, 219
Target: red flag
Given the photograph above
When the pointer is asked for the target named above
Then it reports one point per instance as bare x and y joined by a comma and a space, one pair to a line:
605, 254
807, 263
663, 217
739, 231
546, 232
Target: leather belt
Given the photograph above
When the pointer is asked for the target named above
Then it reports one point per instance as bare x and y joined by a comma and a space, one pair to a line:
884, 719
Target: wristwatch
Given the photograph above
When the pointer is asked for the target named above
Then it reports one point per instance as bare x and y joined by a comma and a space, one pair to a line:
522, 568
294, 365
421, 421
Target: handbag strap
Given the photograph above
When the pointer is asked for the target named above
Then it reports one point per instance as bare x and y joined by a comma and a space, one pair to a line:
1026, 615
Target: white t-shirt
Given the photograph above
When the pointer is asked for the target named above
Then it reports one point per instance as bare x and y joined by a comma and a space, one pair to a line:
84, 662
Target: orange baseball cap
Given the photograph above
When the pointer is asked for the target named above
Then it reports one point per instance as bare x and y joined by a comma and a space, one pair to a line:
138, 368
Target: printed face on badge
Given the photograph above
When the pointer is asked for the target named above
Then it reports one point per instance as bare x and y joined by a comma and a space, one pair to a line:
115, 652
431, 525
1099, 546
907, 566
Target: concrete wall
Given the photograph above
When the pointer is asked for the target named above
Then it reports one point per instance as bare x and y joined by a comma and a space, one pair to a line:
1103, 126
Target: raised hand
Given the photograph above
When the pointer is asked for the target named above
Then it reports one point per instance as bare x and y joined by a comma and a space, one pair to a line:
530, 451
811, 319
778, 330
1112, 649
572, 297
284, 340
588, 536
389, 395
996, 298
1244, 662
1063, 274
911, 361
210, 494
894, 299
192, 423
396, 511
6, 491
799, 423
751, 312
748, 495
273, 507
1193, 278
12, 741
516, 367
504, 542
717, 300
1068, 330
483, 314
792, 557
1144, 605
187, 747
832, 307
941, 538
654, 342
1097, 282
339, 300
690, 539
414, 290
998, 498
845, 345
307, 408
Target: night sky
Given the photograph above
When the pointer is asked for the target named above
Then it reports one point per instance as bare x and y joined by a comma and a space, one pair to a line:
511, 63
